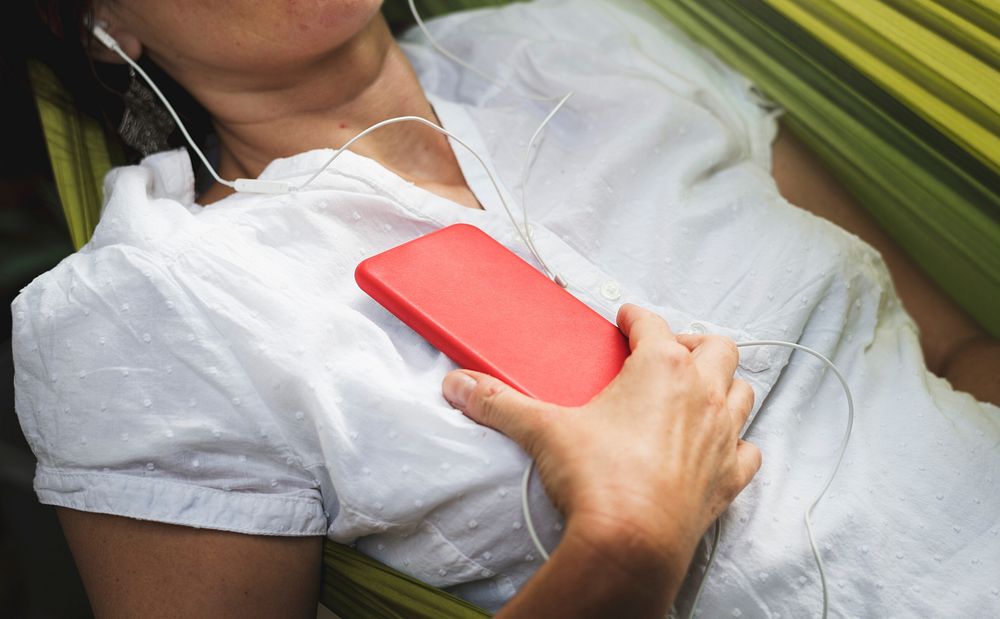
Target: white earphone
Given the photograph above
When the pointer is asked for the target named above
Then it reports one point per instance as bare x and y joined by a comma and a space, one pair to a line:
240, 184
275, 187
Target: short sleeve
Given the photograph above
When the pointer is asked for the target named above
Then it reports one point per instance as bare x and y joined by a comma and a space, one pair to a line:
135, 406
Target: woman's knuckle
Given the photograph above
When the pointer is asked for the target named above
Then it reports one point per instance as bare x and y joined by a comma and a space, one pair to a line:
669, 354
489, 396
715, 400
745, 391
732, 353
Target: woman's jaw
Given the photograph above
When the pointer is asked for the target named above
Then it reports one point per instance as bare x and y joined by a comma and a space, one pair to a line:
237, 44
283, 77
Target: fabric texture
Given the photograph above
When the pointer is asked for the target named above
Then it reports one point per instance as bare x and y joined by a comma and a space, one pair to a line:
217, 366
897, 105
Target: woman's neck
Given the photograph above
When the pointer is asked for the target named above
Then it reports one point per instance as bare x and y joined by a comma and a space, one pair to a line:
325, 103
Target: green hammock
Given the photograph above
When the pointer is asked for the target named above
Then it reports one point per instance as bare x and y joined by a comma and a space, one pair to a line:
899, 97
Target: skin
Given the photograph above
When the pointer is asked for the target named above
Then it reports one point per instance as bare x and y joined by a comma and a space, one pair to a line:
955, 346
263, 70
675, 405
135, 568
678, 410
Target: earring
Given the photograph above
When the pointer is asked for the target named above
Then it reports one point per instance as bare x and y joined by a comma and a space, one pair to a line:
145, 125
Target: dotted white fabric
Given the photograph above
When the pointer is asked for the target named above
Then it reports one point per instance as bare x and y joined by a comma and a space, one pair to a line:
218, 367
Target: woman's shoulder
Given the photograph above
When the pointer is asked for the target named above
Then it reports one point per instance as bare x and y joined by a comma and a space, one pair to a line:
150, 205
108, 272
135, 404
92, 316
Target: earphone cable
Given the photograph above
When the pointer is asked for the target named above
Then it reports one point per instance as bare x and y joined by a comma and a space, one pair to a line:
807, 517
108, 41
530, 525
524, 232
277, 187
454, 58
423, 121
525, 173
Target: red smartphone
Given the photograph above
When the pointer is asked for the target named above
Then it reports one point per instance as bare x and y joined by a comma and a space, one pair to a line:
490, 311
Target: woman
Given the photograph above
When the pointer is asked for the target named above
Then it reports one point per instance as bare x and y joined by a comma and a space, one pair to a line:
208, 393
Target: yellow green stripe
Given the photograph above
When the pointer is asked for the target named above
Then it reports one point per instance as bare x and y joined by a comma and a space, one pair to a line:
952, 89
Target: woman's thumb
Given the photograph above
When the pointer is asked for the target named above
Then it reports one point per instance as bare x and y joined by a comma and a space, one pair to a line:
492, 403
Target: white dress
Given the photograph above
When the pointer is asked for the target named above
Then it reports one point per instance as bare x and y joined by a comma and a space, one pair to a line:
218, 367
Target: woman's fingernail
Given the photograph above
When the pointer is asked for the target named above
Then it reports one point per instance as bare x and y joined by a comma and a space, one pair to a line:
458, 387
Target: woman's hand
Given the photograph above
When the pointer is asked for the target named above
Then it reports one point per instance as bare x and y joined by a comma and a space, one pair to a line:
642, 470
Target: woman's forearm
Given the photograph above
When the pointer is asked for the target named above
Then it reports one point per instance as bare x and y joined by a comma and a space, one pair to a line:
603, 573
640, 471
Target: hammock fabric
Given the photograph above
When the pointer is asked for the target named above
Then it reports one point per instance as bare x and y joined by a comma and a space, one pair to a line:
899, 97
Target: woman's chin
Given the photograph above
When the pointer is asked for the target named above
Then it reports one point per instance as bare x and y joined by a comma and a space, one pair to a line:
332, 21
251, 34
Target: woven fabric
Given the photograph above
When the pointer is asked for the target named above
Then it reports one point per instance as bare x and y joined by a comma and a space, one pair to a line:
358, 587
894, 96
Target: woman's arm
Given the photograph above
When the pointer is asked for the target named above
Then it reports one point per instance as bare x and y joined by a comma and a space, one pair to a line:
603, 569
955, 346
640, 472
136, 568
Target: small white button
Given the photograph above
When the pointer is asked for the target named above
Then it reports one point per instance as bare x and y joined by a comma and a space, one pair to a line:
697, 328
611, 290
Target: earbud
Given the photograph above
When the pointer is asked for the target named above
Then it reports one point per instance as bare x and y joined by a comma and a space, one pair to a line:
259, 186
245, 185
106, 39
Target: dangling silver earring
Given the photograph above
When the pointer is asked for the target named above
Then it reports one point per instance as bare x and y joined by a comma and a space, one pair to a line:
145, 125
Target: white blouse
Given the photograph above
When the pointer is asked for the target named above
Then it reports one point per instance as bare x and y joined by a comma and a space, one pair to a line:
218, 367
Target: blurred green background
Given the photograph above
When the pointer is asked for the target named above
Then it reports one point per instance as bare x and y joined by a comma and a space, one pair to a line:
37, 575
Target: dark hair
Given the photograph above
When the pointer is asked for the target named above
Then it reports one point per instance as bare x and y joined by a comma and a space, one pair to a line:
55, 33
